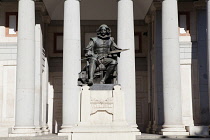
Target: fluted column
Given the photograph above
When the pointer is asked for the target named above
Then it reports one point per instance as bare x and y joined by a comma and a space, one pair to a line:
171, 71
24, 114
126, 66
71, 65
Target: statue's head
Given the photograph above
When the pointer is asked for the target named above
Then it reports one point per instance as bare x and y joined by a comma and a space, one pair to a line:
104, 31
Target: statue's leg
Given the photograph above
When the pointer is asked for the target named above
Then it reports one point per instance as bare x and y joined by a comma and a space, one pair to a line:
110, 69
92, 68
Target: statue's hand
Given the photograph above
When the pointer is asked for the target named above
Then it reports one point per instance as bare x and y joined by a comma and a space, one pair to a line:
89, 54
114, 55
110, 56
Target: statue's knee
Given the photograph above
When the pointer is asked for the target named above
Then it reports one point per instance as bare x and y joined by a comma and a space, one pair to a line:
92, 61
114, 62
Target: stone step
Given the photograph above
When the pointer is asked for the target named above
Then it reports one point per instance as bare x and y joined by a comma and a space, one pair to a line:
177, 139
141, 137
44, 137
161, 137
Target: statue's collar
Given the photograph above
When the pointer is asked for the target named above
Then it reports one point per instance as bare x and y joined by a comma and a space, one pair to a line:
104, 37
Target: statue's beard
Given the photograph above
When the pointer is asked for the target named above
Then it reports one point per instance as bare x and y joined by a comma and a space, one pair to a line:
104, 36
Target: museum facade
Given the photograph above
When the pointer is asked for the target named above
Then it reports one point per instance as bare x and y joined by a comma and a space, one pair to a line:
164, 75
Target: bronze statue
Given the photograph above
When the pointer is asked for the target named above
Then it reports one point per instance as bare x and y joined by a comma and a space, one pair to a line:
101, 50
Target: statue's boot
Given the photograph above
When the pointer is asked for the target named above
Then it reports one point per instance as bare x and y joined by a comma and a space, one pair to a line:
92, 68
90, 82
109, 71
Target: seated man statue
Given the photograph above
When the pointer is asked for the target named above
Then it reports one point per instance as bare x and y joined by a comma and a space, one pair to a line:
100, 51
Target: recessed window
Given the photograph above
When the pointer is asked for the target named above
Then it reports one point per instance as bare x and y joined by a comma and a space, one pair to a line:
11, 24
138, 41
184, 22
58, 42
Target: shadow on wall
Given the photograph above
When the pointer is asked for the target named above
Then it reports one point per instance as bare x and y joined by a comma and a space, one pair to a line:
200, 94
158, 62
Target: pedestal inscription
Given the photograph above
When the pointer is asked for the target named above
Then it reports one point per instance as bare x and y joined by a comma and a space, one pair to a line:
102, 115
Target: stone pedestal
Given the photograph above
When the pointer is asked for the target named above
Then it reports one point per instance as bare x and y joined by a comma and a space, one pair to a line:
198, 130
102, 115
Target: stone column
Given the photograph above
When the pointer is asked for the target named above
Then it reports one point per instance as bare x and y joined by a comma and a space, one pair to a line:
71, 65
208, 47
38, 80
148, 21
158, 71
45, 79
24, 114
126, 66
171, 71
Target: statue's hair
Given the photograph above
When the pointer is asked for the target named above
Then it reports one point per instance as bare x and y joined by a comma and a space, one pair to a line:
107, 28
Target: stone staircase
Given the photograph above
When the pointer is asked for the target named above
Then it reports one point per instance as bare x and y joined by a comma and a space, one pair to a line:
44, 137
142, 137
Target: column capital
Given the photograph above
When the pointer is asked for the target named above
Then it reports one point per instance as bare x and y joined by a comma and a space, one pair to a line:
148, 19
41, 7
200, 4
156, 6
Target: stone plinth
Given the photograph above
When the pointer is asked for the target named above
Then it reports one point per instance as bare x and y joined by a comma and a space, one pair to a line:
23, 132
102, 115
198, 130
102, 136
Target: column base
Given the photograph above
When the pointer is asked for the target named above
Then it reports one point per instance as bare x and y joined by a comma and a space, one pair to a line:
45, 130
174, 130
23, 132
174, 133
65, 130
38, 130
156, 129
135, 130
149, 127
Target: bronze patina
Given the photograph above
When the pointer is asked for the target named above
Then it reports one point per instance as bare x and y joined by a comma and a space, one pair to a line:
101, 50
